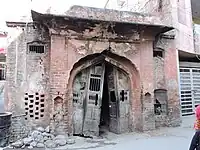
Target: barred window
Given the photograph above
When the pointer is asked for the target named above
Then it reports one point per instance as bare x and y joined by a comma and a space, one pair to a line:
36, 49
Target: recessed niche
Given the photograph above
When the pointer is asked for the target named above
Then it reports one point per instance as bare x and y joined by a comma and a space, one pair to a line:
58, 103
160, 101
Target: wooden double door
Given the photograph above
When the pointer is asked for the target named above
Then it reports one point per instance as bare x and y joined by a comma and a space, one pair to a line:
87, 99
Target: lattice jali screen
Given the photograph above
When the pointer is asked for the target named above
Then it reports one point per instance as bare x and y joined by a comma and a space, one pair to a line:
34, 105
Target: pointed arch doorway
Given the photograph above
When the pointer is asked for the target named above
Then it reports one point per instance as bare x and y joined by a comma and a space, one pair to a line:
101, 98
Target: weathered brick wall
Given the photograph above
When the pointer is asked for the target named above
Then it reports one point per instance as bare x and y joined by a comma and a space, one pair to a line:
50, 76
172, 85
164, 9
19, 128
59, 73
174, 13
160, 83
159, 74
27, 80
71, 51
170, 82
147, 78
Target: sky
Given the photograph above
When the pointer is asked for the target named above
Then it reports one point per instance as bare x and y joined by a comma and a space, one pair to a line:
12, 10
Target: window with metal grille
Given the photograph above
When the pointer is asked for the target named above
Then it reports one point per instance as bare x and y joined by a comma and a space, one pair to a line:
36, 49
95, 84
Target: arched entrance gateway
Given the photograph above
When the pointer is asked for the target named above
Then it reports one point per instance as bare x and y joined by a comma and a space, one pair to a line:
102, 97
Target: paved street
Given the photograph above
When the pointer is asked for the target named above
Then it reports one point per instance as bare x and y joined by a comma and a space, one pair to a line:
171, 139
163, 139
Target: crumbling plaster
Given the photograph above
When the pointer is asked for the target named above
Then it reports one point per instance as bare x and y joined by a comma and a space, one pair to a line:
27, 74
170, 76
70, 48
136, 52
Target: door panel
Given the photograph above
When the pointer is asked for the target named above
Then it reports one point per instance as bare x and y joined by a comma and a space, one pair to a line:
79, 96
118, 83
113, 106
94, 100
87, 100
123, 86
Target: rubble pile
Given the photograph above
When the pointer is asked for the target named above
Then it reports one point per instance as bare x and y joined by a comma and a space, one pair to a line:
42, 138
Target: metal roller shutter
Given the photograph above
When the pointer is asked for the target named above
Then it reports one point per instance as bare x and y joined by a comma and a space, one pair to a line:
189, 90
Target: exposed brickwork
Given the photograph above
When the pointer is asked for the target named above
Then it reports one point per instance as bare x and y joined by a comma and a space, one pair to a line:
159, 74
147, 77
19, 128
59, 80
170, 84
27, 74
67, 52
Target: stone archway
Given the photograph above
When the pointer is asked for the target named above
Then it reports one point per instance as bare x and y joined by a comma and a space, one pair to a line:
123, 64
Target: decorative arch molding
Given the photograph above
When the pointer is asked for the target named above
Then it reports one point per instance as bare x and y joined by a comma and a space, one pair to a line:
120, 62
